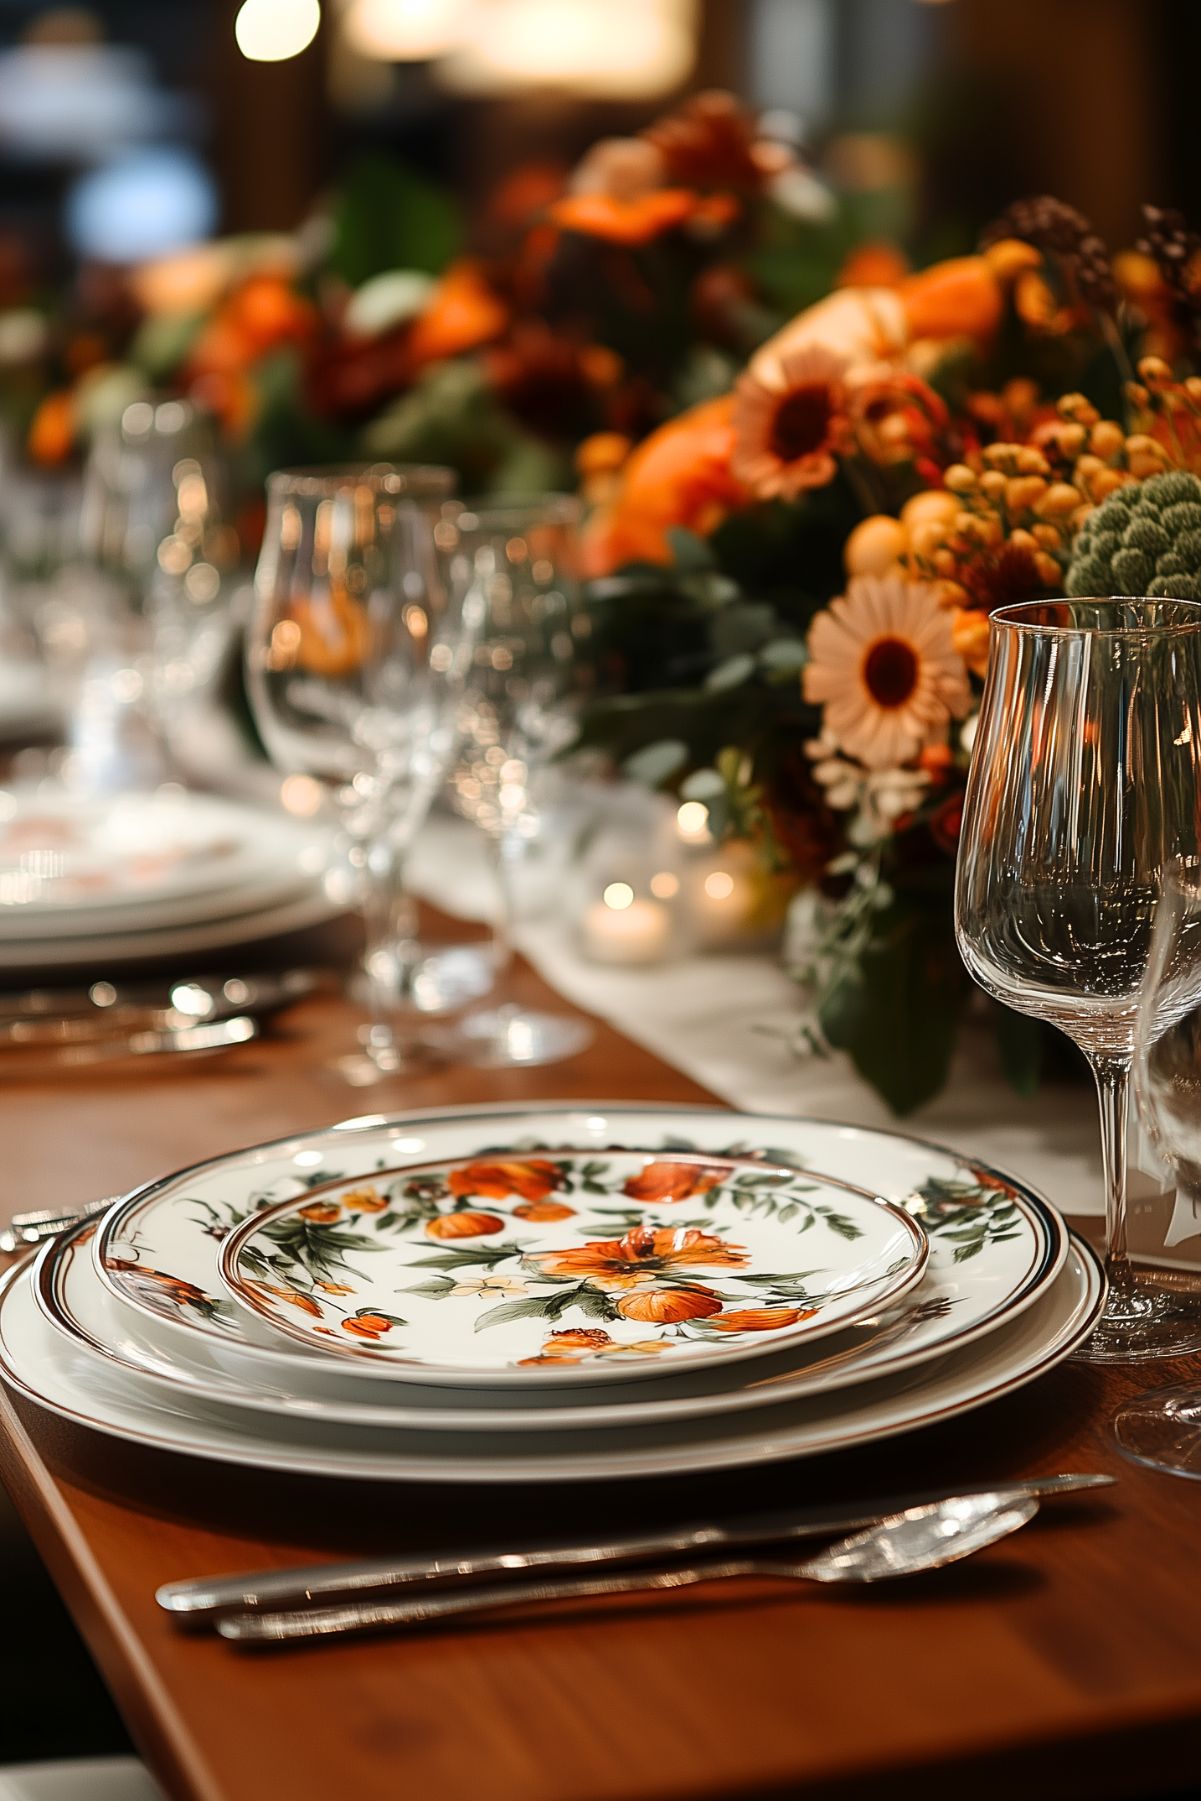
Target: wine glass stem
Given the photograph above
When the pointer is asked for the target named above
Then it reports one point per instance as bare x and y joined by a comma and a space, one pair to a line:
1112, 1076
507, 850
390, 932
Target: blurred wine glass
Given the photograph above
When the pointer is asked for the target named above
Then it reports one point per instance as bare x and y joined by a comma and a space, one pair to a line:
1163, 1426
1085, 786
144, 614
356, 655
519, 555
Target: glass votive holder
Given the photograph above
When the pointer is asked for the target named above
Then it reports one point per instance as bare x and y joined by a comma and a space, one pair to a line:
630, 898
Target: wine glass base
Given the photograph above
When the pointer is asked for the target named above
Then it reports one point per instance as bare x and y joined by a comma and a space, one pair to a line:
380, 1059
1162, 1428
508, 1037
1143, 1322
441, 978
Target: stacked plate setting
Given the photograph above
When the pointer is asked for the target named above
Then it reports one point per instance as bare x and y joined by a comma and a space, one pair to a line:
128, 878
551, 1293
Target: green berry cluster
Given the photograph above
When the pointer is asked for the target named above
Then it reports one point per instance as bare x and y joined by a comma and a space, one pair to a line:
1144, 539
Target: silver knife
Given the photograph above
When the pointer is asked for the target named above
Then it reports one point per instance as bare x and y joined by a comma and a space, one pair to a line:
219, 1036
54, 1017
199, 1599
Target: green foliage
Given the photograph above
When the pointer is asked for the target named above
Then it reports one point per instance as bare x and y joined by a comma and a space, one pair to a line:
895, 1007
1145, 539
389, 218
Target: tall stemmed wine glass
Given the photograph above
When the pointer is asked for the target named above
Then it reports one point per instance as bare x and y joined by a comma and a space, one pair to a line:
1163, 1426
1085, 786
519, 556
355, 661
145, 611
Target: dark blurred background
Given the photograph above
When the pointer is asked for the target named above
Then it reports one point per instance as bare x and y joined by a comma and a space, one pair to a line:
131, 127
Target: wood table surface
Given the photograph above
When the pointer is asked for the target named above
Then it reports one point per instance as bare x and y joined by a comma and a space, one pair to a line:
1065, 1661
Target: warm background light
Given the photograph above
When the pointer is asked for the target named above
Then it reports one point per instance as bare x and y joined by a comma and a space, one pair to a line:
405, 30
607, 49
271, 31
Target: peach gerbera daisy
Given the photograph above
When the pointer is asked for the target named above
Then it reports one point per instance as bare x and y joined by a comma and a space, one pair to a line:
883, 664
789, 424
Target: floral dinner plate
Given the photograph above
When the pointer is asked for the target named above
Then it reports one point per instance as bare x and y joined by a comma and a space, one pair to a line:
994, 1245
500, 1266
35, 1361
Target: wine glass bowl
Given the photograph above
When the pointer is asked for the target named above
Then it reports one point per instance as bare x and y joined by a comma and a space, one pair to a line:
519, 555
355, 661
1085, 786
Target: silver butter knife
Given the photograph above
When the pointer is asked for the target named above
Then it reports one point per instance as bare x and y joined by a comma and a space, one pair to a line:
198, 1600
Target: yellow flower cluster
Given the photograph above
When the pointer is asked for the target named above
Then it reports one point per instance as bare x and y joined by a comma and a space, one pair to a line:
1003, 527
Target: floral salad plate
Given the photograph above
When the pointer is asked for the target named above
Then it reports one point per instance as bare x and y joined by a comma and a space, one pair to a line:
994, 1245
551, 1262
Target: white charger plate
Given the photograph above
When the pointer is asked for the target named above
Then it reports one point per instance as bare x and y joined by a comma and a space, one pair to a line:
72, 1298
994, 1243
36, 1362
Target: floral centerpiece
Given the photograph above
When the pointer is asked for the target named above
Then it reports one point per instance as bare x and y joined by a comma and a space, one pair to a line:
795, 579
584, 304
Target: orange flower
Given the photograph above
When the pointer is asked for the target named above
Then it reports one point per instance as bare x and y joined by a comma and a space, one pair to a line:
358, 1329
662, 1306
876, 264
673, 1181
543, 1210
679, 476
883, 663
533, 1179
322, 1213
293, 1298
960, 298
335, 1287
364, 1200
462, 313
644, 1251
578, 1338
789, 425
627, 221
465, 1225
760, 1319
52, 430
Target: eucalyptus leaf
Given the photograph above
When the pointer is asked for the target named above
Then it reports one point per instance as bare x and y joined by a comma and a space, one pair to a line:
730, 674
656, 763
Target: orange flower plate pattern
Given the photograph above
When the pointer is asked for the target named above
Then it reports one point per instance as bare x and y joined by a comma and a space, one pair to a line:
570, 1261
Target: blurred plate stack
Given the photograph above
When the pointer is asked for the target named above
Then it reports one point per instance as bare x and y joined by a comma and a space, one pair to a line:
86, 881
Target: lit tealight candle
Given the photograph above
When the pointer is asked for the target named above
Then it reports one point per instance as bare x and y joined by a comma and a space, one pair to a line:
692, 823
621, 928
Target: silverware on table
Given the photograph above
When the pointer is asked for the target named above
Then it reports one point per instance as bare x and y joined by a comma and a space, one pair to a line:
903, 1544
142, 1042
54, 1018
26, 1229
198, 1600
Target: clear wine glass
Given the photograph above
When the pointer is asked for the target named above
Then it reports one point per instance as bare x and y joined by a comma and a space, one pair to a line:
1085, 786
519, 556
1163, 1426
355, 661
144, 610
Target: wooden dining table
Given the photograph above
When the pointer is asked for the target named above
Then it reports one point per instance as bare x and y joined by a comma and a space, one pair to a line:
1064, 1661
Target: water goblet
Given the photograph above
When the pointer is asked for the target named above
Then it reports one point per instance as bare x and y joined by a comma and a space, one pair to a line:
355, 660
519, 555
1085, 786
